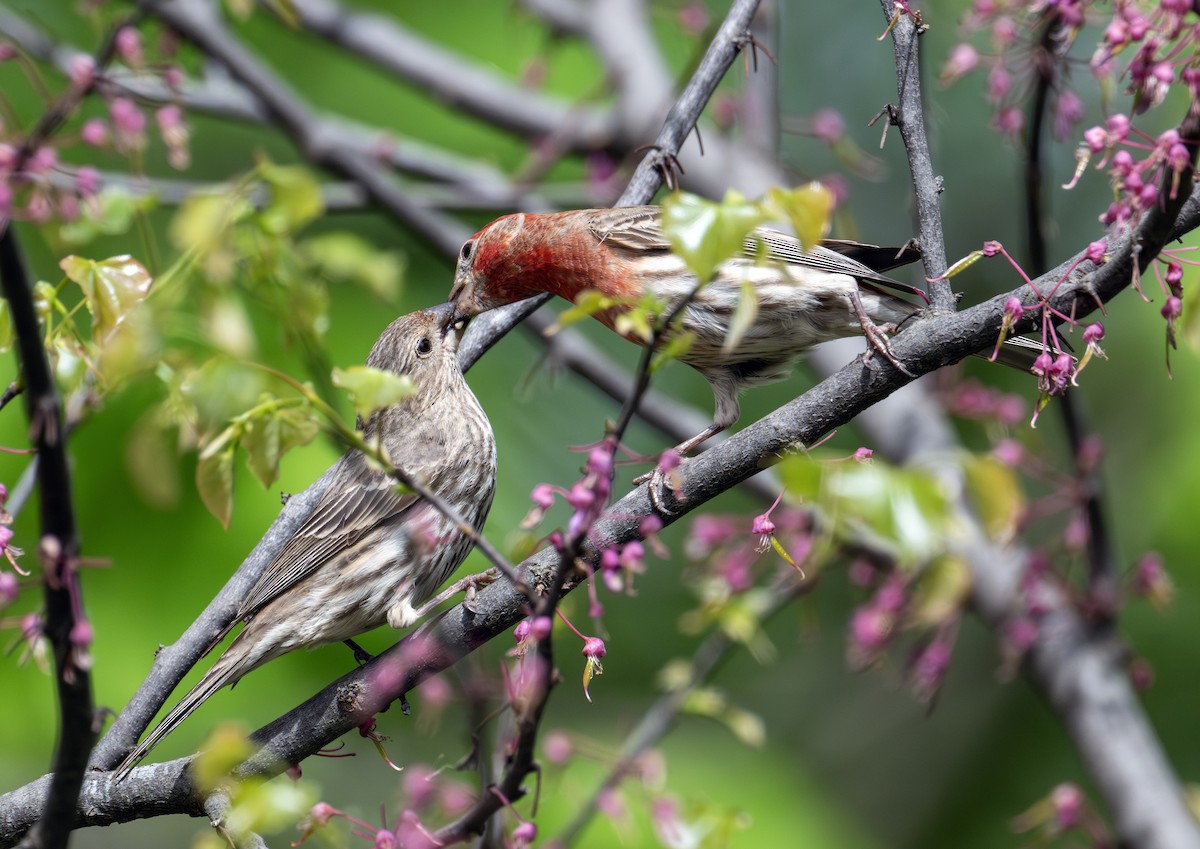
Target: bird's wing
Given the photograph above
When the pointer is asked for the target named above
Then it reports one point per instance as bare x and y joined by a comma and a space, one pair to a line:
875, 257
357, 500
639, 228
787, 248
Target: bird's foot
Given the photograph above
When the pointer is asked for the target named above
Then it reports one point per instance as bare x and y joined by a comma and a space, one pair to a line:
877, 335
361, 655
469, 586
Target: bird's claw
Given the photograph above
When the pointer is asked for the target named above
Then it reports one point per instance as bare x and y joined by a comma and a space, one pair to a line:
877, 336
361, 655
658, 486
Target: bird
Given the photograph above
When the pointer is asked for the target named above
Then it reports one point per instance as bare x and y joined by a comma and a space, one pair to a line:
804, 297
369, 554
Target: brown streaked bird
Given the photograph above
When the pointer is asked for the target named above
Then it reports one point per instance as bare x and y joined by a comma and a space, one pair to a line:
368, 554
804, 297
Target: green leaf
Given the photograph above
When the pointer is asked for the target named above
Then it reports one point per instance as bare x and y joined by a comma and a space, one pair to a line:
201, 227
635, 323
743, 317
295, 197
112, 288
214, 475
587, 303
133, 347
676, 346
746, 726
226, 747
110, 213
271, 435
346, 257
240, 9
941, 593
372, 389
68, 362
220, 390
6, 328
997, 495
704, 234
905, 511
45, 300
151, 461
269, 807
808, 208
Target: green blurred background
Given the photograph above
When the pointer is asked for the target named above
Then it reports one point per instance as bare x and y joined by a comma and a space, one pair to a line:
852, 760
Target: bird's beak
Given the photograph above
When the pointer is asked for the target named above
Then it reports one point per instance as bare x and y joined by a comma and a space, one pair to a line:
449, 324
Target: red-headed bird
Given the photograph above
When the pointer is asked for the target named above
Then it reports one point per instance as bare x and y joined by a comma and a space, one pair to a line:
804, 297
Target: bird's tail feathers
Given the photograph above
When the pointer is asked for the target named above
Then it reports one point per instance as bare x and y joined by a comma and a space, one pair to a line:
221, 674
1017, 352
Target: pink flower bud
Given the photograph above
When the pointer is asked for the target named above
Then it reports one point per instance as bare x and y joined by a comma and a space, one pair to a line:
557, 748
600, 460
43, 160
633, 554
94, 133
321, 813
1095, 138
541, 627
10, 588
543, 495
82, 634
963, 59
828, 126
81, 70
87, 181
129, 46
524, 834
1095, 251
762, 526
593, 647
669, 459
1066, 800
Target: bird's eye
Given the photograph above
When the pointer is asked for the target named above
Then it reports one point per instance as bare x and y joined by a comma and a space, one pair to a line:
468, 249
424, 347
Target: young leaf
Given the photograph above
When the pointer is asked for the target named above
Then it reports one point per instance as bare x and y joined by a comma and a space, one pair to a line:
587, 303
743, 317
295, 197
110, 213
201, 227
271, 435
997, 495
704, 234
372, 389
676, 346
346, 257
6, 330
808, 208
214, 478
634, 323
112, 288
941, 592
903, 510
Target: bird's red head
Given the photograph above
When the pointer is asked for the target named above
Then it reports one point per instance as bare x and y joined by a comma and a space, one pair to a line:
489, 268
519, 256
